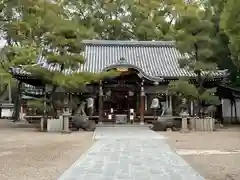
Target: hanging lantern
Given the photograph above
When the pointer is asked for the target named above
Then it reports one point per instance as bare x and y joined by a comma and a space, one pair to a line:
130, 93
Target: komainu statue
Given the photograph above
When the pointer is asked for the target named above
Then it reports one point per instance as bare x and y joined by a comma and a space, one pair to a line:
81, 120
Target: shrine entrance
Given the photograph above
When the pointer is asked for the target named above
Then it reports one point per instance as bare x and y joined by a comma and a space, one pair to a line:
121, 94
121, 100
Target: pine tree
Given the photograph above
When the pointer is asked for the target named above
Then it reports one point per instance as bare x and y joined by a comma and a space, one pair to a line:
45, 27
109, 19
151, 20
230, 20
193, 39
40, 27
221, 52
126, 19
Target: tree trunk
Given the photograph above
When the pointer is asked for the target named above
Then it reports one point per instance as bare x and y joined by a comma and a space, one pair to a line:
200, 82
52, 101
17, 104
4, 92
231, 111
201, 90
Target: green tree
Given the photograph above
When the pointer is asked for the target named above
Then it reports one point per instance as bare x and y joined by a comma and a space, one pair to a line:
229, 22
151, 20
6, 80
47, 28
221, 52
126, 19
109, 19
193, 39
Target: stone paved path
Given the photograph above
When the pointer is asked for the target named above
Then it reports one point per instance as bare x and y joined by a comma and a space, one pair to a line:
126, 133
130, 154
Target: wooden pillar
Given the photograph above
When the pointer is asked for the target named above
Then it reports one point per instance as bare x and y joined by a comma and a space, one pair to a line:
170, 102
17, 104
221, 111
100, 105
137, 103
191, 109
44, 118
142, 104
167, 103
145, 103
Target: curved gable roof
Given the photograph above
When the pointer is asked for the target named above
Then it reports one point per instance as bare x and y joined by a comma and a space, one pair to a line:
154, 59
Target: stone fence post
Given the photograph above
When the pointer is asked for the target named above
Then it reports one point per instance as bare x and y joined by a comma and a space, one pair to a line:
192, 124
205, 124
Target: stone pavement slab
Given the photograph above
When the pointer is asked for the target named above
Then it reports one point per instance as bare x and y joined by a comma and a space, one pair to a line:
126, 158
126, 133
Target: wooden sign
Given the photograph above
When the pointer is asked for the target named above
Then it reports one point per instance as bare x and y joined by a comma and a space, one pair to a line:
122, 69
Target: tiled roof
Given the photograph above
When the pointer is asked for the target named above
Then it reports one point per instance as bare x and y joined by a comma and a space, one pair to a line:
153, 59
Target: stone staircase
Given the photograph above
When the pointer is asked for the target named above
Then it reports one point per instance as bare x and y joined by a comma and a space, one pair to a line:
122, 125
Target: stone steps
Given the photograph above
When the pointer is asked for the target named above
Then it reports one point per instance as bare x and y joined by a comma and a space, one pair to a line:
122, 125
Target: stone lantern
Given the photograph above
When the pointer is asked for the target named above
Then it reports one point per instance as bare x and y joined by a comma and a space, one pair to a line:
184, 114
66, 115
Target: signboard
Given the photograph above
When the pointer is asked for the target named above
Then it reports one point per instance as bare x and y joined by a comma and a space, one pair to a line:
122, 69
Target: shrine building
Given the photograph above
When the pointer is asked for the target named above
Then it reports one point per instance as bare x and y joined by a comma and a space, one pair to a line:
146, 69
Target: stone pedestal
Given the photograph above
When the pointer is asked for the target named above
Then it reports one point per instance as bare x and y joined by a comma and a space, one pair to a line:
42, 124
65, 116
121, 118
184, 125
55, 125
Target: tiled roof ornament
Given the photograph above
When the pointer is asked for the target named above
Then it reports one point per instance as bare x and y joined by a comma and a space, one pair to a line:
122, 60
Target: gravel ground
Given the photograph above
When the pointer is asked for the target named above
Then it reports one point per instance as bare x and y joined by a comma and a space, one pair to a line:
212, 167
216, 167
29, 155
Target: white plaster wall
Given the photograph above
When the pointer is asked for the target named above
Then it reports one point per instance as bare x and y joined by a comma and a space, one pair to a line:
226, 109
